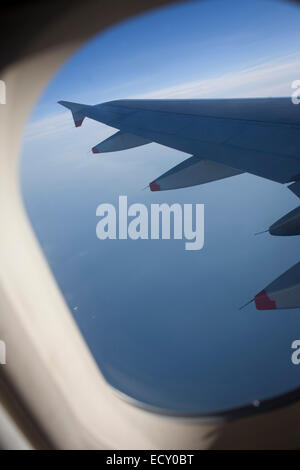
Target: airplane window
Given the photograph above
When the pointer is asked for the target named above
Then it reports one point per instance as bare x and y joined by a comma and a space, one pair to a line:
146, 205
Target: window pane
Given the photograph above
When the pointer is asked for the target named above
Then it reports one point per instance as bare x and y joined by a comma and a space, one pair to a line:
162, 321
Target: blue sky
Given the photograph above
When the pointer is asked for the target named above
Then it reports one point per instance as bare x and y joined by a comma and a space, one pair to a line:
162, 323
189, 44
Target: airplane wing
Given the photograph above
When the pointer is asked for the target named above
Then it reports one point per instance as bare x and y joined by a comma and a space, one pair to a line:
284, 292
191, 172
225, 137
258, 136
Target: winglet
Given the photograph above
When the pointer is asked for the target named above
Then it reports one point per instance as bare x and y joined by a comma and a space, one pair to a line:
263, 301
78, 111
95, 149
154, 186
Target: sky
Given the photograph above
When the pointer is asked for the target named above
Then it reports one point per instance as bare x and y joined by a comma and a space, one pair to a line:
164, 324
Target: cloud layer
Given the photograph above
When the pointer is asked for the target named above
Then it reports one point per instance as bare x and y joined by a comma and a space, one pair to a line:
270, 78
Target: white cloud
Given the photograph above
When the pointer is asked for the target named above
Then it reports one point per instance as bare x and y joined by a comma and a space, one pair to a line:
269, 78
48, 125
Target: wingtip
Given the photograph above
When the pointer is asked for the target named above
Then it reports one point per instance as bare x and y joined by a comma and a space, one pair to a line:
95, 150
154, 186
263, 301
62, 103
78, 123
